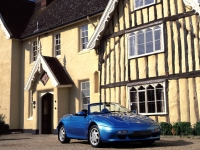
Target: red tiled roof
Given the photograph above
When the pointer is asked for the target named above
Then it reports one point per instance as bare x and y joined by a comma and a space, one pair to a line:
21, 16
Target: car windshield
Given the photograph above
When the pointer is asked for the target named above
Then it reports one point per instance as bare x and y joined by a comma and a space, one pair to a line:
107, 108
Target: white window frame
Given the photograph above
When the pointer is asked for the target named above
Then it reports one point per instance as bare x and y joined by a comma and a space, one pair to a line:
150, 53
34, 51
135, 8
146, 105
84, 105
57, 43
83, 37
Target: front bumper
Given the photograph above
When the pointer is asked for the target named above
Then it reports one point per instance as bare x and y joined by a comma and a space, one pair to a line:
109, 134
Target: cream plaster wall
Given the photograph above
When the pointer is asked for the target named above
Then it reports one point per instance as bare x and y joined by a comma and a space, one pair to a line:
80, 64
5, 82
15, 85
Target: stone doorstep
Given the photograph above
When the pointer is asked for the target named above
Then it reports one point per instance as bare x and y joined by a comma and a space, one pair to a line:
181, 137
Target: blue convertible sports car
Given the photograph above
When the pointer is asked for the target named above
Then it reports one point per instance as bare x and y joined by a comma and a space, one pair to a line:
107, 122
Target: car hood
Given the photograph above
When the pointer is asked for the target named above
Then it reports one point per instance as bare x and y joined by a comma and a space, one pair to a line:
127, 120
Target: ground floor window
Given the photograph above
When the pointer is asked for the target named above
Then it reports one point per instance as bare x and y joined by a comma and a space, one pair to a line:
85, 93
148, 99
30, 111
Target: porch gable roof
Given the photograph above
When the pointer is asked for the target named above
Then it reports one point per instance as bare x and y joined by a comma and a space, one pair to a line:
54, 70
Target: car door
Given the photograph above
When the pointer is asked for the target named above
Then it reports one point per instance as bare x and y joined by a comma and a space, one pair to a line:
77, 126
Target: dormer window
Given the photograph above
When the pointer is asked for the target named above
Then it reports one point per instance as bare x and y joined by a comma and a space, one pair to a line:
142, 3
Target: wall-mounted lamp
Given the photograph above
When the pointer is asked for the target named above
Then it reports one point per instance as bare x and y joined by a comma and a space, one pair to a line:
34, 103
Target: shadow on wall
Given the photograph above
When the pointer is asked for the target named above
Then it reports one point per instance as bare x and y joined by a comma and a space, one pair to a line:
4, 128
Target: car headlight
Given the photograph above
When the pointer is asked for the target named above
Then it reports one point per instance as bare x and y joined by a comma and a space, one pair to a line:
157, 130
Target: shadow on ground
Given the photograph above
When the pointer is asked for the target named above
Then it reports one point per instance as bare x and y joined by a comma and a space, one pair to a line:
14, 139
161, 143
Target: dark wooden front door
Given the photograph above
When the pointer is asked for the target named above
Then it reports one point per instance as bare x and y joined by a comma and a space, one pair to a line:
47, 113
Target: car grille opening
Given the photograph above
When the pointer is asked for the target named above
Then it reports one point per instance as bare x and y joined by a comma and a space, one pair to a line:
140, 134
121, 136
155, 134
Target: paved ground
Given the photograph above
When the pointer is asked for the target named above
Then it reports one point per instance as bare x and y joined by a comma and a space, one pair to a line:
50, 142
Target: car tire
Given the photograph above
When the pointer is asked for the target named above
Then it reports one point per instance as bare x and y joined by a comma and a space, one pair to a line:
94, 137
147, 143
62, 136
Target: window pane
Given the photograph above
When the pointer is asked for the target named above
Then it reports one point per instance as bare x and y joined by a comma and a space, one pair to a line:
86, 33
159, 94
149, 2
149, 36
160, 106
86, 28
132, 45
141, 96
87, 85
86, 100
84, 46
133, 96
140, 37
83, 85
141, 49
149, 47
150, 95
142, 107
151, 107
57, 52
157, 45
138, 3
157, 34
86, 40
83, 34
134, 106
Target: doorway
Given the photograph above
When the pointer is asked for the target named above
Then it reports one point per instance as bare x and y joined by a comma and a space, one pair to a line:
47, 113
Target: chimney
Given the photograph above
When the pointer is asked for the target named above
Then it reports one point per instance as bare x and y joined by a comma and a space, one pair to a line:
44, 3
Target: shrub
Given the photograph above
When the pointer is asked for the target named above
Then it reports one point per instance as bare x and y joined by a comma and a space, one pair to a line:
197, 128
182, 128
166, 128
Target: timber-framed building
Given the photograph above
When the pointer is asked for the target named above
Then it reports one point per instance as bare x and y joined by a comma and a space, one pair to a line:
149, 57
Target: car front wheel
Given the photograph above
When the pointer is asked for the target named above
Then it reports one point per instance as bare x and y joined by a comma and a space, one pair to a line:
62, 135
94, 136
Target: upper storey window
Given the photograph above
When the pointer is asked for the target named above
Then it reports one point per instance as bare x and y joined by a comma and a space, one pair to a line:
146, 41
84, 36
57, 47
143, 3
34, 51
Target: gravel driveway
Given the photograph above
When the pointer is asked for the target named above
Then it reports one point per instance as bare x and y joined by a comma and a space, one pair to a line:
50, 142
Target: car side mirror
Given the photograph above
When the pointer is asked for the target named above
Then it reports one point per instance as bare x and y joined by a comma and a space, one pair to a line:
81, 113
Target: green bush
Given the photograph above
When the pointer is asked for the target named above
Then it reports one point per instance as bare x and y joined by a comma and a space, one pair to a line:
182, 128
197, 129
166, 128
